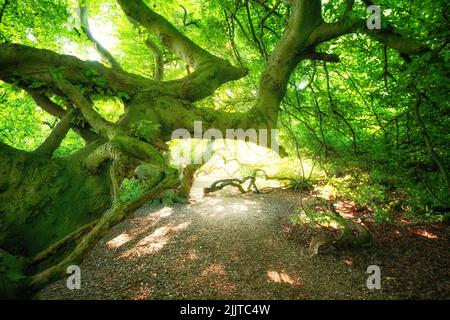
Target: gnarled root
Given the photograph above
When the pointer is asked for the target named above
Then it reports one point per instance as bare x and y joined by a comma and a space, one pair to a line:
237, 183
44, 255
353, 234
187, 180
111, 217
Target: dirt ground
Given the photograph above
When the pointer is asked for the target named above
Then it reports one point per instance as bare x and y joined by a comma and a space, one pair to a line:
232, 246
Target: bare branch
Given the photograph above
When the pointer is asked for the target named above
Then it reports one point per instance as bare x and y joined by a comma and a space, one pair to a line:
84, 18
268, 9
158, 73
185, 15
429, 145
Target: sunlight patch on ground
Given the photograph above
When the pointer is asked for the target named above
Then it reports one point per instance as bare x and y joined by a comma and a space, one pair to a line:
118, 241
190, 255
164, 212
347, 261
139, 226
217, 269
223, 286
217, 209
426, 234
142, 293
283, 277
239, 207
326, 192
215, 277
154, 242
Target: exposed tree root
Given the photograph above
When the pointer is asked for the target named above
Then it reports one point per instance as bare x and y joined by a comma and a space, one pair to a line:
187, 180
353, 234
237, 183
44, 255
109, 219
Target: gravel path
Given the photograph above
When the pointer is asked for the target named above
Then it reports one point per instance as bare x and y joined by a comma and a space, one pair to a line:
223, 246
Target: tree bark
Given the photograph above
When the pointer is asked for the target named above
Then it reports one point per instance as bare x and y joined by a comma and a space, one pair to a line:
44, 200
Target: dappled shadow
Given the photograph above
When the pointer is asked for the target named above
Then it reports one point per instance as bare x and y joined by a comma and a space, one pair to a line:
246, 248
283, 277
154, 242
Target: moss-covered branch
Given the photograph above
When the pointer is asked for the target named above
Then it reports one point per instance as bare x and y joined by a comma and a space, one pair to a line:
40, 66
57, 135
210, 71
388, 36
174, 40
44, 255
109, 219
305, 18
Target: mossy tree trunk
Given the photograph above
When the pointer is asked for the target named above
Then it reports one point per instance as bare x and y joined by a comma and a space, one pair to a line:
44, 201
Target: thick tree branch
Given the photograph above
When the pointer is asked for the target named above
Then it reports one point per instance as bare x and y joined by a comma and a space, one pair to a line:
114, 133
47, 253
320, 56
100, 125
39, 65
389, 37
174, 40
210, 71
397, 42
158, 73
305, 17
7, 151
57, 135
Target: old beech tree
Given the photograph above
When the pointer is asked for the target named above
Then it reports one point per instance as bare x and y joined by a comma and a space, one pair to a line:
53, 210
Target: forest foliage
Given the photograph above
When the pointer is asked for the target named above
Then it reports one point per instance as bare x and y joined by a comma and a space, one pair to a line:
375, 125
